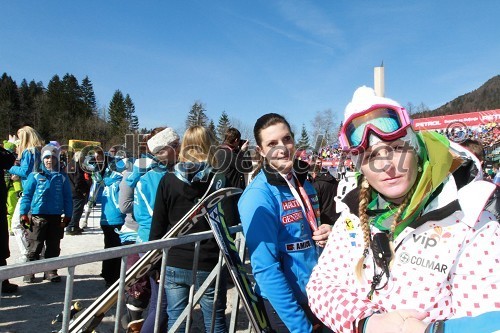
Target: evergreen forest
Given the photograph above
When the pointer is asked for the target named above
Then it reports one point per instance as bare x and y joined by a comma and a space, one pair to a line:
67, 109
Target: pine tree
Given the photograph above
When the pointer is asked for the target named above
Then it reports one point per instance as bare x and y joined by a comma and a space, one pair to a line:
134, 124
9, 106
211, 129
117, 114
130, 114
72, 101
197, 116
49, 125
223, 125
88, 97
31, 100
303, 142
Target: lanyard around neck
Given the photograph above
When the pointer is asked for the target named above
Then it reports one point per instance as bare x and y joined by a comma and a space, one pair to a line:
303, 199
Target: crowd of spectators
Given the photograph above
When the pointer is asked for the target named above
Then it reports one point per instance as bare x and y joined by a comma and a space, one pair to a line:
488, 135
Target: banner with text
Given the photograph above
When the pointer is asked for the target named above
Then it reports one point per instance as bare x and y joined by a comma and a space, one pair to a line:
471, 119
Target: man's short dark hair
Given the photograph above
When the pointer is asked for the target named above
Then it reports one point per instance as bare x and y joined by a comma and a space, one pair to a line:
231, 135
475, 147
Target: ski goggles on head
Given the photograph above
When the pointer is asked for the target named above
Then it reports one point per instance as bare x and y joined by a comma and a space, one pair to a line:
388, 122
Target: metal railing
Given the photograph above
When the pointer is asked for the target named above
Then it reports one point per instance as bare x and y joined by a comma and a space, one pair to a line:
70, 262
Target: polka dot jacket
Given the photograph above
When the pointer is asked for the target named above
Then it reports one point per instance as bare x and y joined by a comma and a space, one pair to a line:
447, 266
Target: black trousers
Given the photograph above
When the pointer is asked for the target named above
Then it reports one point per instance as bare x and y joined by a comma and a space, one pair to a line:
48, 230
78, 206
111, 267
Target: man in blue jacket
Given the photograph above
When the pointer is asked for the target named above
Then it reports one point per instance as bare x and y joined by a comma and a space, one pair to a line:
47, 192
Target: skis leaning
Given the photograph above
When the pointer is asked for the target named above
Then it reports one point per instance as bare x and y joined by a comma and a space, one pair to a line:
257, 316
93, 315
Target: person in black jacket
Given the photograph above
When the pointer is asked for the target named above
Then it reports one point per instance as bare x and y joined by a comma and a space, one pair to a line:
230, 159
177, 193
7, 160
326, 187
80, 188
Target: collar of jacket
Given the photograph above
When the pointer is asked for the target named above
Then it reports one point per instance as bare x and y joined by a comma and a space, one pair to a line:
274, 178
190, 172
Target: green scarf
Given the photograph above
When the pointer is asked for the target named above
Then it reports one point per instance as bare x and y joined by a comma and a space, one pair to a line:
436, 161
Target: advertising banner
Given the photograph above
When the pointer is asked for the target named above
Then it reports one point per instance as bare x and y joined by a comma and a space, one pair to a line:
471, 119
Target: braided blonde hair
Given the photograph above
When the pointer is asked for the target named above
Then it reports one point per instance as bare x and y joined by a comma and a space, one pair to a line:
364, 200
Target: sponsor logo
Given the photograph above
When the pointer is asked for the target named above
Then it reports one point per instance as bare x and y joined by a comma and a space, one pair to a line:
293, 217
349, 225
432, 240
290, 204
406, 258
314, 199
291, 247
428, 123
425, 241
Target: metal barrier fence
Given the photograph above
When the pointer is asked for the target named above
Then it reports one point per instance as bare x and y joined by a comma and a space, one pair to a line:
70, 262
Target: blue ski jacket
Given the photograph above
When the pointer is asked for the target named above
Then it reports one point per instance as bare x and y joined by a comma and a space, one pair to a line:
111, 214
47, 192
279, 239
140, 167
29, 161
144, 199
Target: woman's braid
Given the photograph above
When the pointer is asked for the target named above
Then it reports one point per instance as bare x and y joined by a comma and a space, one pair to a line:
364, 200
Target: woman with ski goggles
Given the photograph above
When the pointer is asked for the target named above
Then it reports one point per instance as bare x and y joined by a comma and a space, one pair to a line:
411, 251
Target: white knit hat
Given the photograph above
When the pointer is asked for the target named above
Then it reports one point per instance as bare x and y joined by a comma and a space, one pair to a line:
162, 139
364, 97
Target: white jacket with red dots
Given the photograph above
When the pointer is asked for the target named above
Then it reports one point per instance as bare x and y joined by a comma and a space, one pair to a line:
447, 266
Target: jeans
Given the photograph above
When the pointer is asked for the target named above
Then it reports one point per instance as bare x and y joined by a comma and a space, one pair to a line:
177, 284
149, 323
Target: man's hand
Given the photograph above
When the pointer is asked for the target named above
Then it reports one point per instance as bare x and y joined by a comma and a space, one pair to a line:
244, 146
26, 222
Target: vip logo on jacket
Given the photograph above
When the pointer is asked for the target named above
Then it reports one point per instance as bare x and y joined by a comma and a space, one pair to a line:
433, 239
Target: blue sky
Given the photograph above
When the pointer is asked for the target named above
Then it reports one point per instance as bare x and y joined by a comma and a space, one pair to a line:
253, 57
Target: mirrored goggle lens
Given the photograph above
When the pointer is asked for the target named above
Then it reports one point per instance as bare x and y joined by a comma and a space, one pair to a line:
385, 120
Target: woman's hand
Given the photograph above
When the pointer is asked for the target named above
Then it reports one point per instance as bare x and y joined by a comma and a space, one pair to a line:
412, 325
396, 322
320, 236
